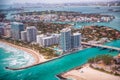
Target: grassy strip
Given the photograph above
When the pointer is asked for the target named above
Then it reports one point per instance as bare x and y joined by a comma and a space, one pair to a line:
102, 70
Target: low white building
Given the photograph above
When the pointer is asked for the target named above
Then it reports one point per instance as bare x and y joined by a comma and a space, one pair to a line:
46, 41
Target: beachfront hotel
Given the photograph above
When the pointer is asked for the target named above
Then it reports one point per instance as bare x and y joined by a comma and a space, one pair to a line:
31, 34
65, 39
16, 28
76, 40
39, 39
69, 41
24, 36
7, 31
46, 41
1, 29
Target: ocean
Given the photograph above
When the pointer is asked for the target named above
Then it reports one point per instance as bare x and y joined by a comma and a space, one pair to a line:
49, 70
12, 57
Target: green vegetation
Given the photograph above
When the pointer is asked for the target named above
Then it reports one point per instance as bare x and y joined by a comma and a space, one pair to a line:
89, 33
50, 12
98, 32
108, 64
48, 53
47, 27
101, 69
105, 58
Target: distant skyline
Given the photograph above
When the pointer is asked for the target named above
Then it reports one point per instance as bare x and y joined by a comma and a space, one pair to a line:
50, 1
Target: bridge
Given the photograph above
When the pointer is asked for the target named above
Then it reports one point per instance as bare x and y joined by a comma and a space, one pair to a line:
101, 46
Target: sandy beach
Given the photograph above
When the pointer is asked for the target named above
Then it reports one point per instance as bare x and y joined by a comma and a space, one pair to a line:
38, 57
88, 73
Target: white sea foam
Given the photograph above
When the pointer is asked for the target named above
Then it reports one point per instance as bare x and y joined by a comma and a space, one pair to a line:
18, 57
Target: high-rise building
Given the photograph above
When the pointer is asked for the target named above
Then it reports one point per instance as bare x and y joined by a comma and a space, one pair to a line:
39, 39
56, 38
31, 33
65, 39
75, 40
1, 29
69, 41
23, 35
16, 28
7, 31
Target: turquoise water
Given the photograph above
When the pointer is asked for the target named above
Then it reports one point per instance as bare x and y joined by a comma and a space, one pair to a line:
15, 58
47, 71
84, 9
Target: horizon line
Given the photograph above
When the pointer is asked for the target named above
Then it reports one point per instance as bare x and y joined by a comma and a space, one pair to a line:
6, 3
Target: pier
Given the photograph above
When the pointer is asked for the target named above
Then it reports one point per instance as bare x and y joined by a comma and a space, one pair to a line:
101, 46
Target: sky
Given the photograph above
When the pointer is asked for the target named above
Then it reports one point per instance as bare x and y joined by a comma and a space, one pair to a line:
48, 1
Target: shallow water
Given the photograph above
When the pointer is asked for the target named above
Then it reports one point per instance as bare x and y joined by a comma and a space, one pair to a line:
15, 58
47, 71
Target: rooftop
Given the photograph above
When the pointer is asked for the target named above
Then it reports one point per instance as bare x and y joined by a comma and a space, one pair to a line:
23, 31
40, 35
76, 33
31, 27
65, 30
47, 37
17, 23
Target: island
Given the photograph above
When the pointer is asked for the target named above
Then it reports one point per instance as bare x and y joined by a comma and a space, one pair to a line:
61, 16
45, 23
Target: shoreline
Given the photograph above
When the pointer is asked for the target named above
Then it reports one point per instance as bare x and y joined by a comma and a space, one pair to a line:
37, 57
46, 60
88, 73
